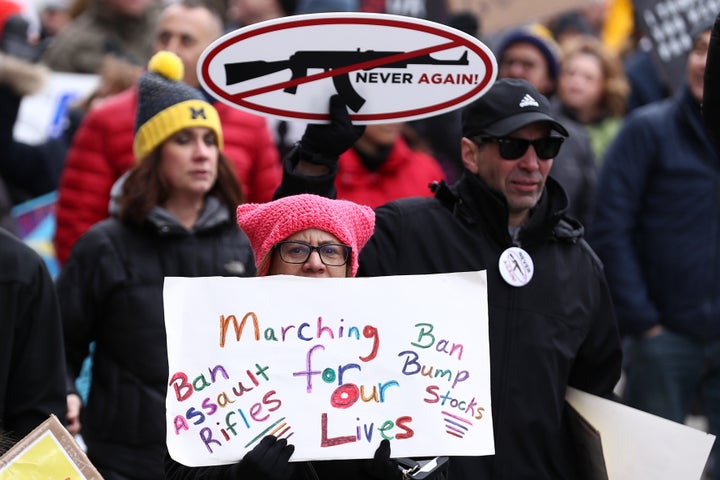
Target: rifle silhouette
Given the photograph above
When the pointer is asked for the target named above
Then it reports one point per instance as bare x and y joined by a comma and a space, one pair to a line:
301, 61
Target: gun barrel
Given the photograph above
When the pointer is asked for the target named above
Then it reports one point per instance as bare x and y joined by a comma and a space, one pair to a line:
428, 60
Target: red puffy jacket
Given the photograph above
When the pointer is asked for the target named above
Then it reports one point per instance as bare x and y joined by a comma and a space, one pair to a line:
102, 150
405, 173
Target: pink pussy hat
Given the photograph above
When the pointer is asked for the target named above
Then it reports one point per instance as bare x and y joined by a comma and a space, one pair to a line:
269, 223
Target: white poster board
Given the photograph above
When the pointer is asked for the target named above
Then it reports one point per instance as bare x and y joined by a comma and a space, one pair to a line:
640, 446
42, 115
333, 365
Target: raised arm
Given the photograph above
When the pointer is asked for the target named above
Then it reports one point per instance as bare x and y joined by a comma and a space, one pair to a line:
312, 165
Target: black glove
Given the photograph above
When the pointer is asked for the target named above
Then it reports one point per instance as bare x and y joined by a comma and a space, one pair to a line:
323, 144
267, 461
382, 467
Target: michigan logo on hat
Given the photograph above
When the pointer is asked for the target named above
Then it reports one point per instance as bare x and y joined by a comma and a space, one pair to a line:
166, 105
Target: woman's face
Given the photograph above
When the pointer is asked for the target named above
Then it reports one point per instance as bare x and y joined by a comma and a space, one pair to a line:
580, 85
313, 267
189, 161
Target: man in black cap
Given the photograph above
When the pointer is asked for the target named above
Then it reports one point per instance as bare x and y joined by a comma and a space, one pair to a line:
551, 320
529, 52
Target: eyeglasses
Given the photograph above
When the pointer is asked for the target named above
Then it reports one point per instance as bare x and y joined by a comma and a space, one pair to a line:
513, 148
331, 254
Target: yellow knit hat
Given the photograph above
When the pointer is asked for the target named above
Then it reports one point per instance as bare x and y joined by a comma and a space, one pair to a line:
167, 105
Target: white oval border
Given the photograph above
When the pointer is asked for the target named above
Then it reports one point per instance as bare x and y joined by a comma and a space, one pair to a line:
228, 40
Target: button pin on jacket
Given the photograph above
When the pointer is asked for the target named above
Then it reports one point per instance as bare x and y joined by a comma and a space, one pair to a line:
516, 266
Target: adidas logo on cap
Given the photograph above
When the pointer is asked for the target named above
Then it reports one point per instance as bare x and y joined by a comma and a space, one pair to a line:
528, 101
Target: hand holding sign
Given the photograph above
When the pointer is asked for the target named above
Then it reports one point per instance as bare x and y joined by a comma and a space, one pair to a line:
269, 460
323, 144
382, 467
335, 375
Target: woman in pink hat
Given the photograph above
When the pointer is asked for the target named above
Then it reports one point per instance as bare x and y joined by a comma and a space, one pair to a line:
309, 236
286, 235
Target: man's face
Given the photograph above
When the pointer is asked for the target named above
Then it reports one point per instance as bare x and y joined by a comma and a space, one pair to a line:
524, 60
695, 70
520, 181
187, 32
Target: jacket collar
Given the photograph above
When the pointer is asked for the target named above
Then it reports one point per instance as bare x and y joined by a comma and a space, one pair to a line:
213, 214
476, 202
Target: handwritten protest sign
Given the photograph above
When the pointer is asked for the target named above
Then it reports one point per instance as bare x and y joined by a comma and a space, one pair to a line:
48, 452
333, 365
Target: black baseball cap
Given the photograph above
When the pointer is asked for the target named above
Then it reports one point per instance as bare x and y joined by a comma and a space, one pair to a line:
509, 105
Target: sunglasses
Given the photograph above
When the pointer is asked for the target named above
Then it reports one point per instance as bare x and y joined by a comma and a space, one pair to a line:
513, 148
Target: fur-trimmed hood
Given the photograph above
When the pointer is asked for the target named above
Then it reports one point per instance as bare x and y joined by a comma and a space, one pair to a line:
23, 77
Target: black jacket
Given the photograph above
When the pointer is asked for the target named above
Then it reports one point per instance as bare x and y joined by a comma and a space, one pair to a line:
111, 292
558, 330
711, 91
32, 368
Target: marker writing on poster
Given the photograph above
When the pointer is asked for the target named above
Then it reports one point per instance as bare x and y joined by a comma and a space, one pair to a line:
303, 331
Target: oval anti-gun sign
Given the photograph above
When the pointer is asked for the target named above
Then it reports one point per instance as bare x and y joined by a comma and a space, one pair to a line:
386, 67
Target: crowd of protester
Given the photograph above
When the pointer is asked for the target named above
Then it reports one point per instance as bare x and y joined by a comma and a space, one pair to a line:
639, 169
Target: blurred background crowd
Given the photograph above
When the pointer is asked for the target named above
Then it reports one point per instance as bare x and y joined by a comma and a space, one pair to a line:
68, 93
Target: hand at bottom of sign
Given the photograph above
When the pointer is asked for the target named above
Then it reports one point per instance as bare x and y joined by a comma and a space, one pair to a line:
269, 460
381, 466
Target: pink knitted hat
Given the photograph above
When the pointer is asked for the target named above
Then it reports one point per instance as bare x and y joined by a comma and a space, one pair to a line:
269, 223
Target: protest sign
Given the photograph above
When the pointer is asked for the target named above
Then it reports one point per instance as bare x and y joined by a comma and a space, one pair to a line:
332, 364
35, 222
386, 67
48, 452
639, 446
669, 24
43, 115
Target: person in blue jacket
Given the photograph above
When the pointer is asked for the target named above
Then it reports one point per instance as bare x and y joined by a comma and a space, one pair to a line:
656, 229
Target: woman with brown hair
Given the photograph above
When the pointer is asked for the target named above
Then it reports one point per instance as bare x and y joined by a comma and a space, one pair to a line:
593, 89
173, 215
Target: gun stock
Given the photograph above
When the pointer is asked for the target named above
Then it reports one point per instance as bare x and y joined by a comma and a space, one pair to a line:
242, 71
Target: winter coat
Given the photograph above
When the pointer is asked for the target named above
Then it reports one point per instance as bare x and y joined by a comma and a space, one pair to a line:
327, 470
111, 292
27, 170
574, 167
18, 78
657, 219
711, 91
98, 31
32, 358
405, 173
557, 330
102, 151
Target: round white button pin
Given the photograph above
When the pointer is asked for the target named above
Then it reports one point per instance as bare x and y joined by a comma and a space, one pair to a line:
516, 266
